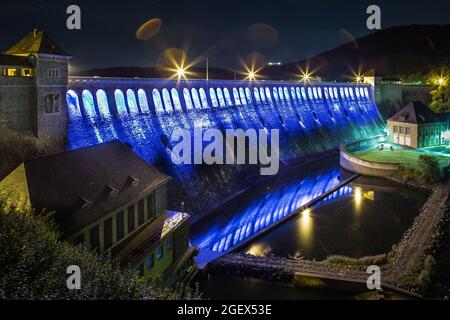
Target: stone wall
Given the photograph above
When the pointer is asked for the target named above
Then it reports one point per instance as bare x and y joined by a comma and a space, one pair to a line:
17, 96
366, 168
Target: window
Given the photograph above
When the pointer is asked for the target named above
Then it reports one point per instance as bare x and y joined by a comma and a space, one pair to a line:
79, 240
53, 73
151, 206
108, 233
408, 131
52, 103
141, 212
395, 129
94, 240
169, 245
131, 220
140, 269
120, 225
27, 72
151, 261
427, 131
10, 72
159, 253
402, 130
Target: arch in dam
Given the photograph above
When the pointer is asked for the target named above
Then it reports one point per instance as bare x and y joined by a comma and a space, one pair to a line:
97, 102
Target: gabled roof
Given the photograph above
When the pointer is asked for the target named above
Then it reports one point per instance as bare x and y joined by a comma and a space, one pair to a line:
416, 112
76, 184
11, 60
36, 42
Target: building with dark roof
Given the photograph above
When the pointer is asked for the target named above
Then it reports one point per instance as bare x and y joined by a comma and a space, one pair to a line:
108, 199
417, 126
33, 82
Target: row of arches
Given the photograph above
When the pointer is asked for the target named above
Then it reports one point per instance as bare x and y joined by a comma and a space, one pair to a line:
170, 100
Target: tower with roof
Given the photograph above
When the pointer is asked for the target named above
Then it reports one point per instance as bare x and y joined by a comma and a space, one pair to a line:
33, 82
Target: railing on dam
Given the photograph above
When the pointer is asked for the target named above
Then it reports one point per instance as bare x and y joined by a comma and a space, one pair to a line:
128, 96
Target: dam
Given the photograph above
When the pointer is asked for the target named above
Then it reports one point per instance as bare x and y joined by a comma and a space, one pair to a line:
311, 118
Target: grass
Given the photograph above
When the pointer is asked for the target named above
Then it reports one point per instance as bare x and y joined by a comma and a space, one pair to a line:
364, 261
409, 158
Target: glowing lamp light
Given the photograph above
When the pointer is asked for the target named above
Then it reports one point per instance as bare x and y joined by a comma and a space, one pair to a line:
250, 74
180, 73
441, 81
305, 76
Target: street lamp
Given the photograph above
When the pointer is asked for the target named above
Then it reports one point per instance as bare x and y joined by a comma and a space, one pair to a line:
305, 76
180, 73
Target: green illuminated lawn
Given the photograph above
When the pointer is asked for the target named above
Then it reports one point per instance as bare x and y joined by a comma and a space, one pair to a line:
408, 157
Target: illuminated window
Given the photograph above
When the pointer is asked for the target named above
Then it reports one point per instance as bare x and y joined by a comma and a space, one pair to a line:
25, 72
11, 72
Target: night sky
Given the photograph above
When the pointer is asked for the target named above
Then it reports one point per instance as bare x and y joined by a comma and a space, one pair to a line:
218, 29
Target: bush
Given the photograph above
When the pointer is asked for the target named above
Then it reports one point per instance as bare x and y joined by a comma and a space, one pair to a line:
33, 264
405, 174
430, 171
425, 279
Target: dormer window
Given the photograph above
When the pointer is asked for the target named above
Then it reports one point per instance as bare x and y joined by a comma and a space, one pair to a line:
85, 203
112, 192
133, 181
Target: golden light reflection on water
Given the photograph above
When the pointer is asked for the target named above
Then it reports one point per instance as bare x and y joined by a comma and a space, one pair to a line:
306, 227
257, 250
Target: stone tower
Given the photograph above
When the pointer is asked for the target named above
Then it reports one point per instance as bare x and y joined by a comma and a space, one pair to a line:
47, 110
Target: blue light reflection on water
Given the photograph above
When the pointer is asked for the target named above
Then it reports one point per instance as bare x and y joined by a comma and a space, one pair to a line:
267, 208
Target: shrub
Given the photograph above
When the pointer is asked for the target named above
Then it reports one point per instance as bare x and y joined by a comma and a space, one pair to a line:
425, 278
430, 171
33, 264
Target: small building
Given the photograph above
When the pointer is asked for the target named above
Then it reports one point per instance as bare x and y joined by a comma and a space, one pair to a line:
110, 200
417, 126
33, 85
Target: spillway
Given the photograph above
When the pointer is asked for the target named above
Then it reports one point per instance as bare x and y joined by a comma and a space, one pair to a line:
143, 113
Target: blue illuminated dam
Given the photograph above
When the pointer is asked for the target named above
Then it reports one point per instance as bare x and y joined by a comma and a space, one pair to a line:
143, 113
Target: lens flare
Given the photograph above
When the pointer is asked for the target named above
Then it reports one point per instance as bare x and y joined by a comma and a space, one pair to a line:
149, 29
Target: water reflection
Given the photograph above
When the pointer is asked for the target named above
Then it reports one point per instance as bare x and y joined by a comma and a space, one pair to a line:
306, 226
258, 209
366, 221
